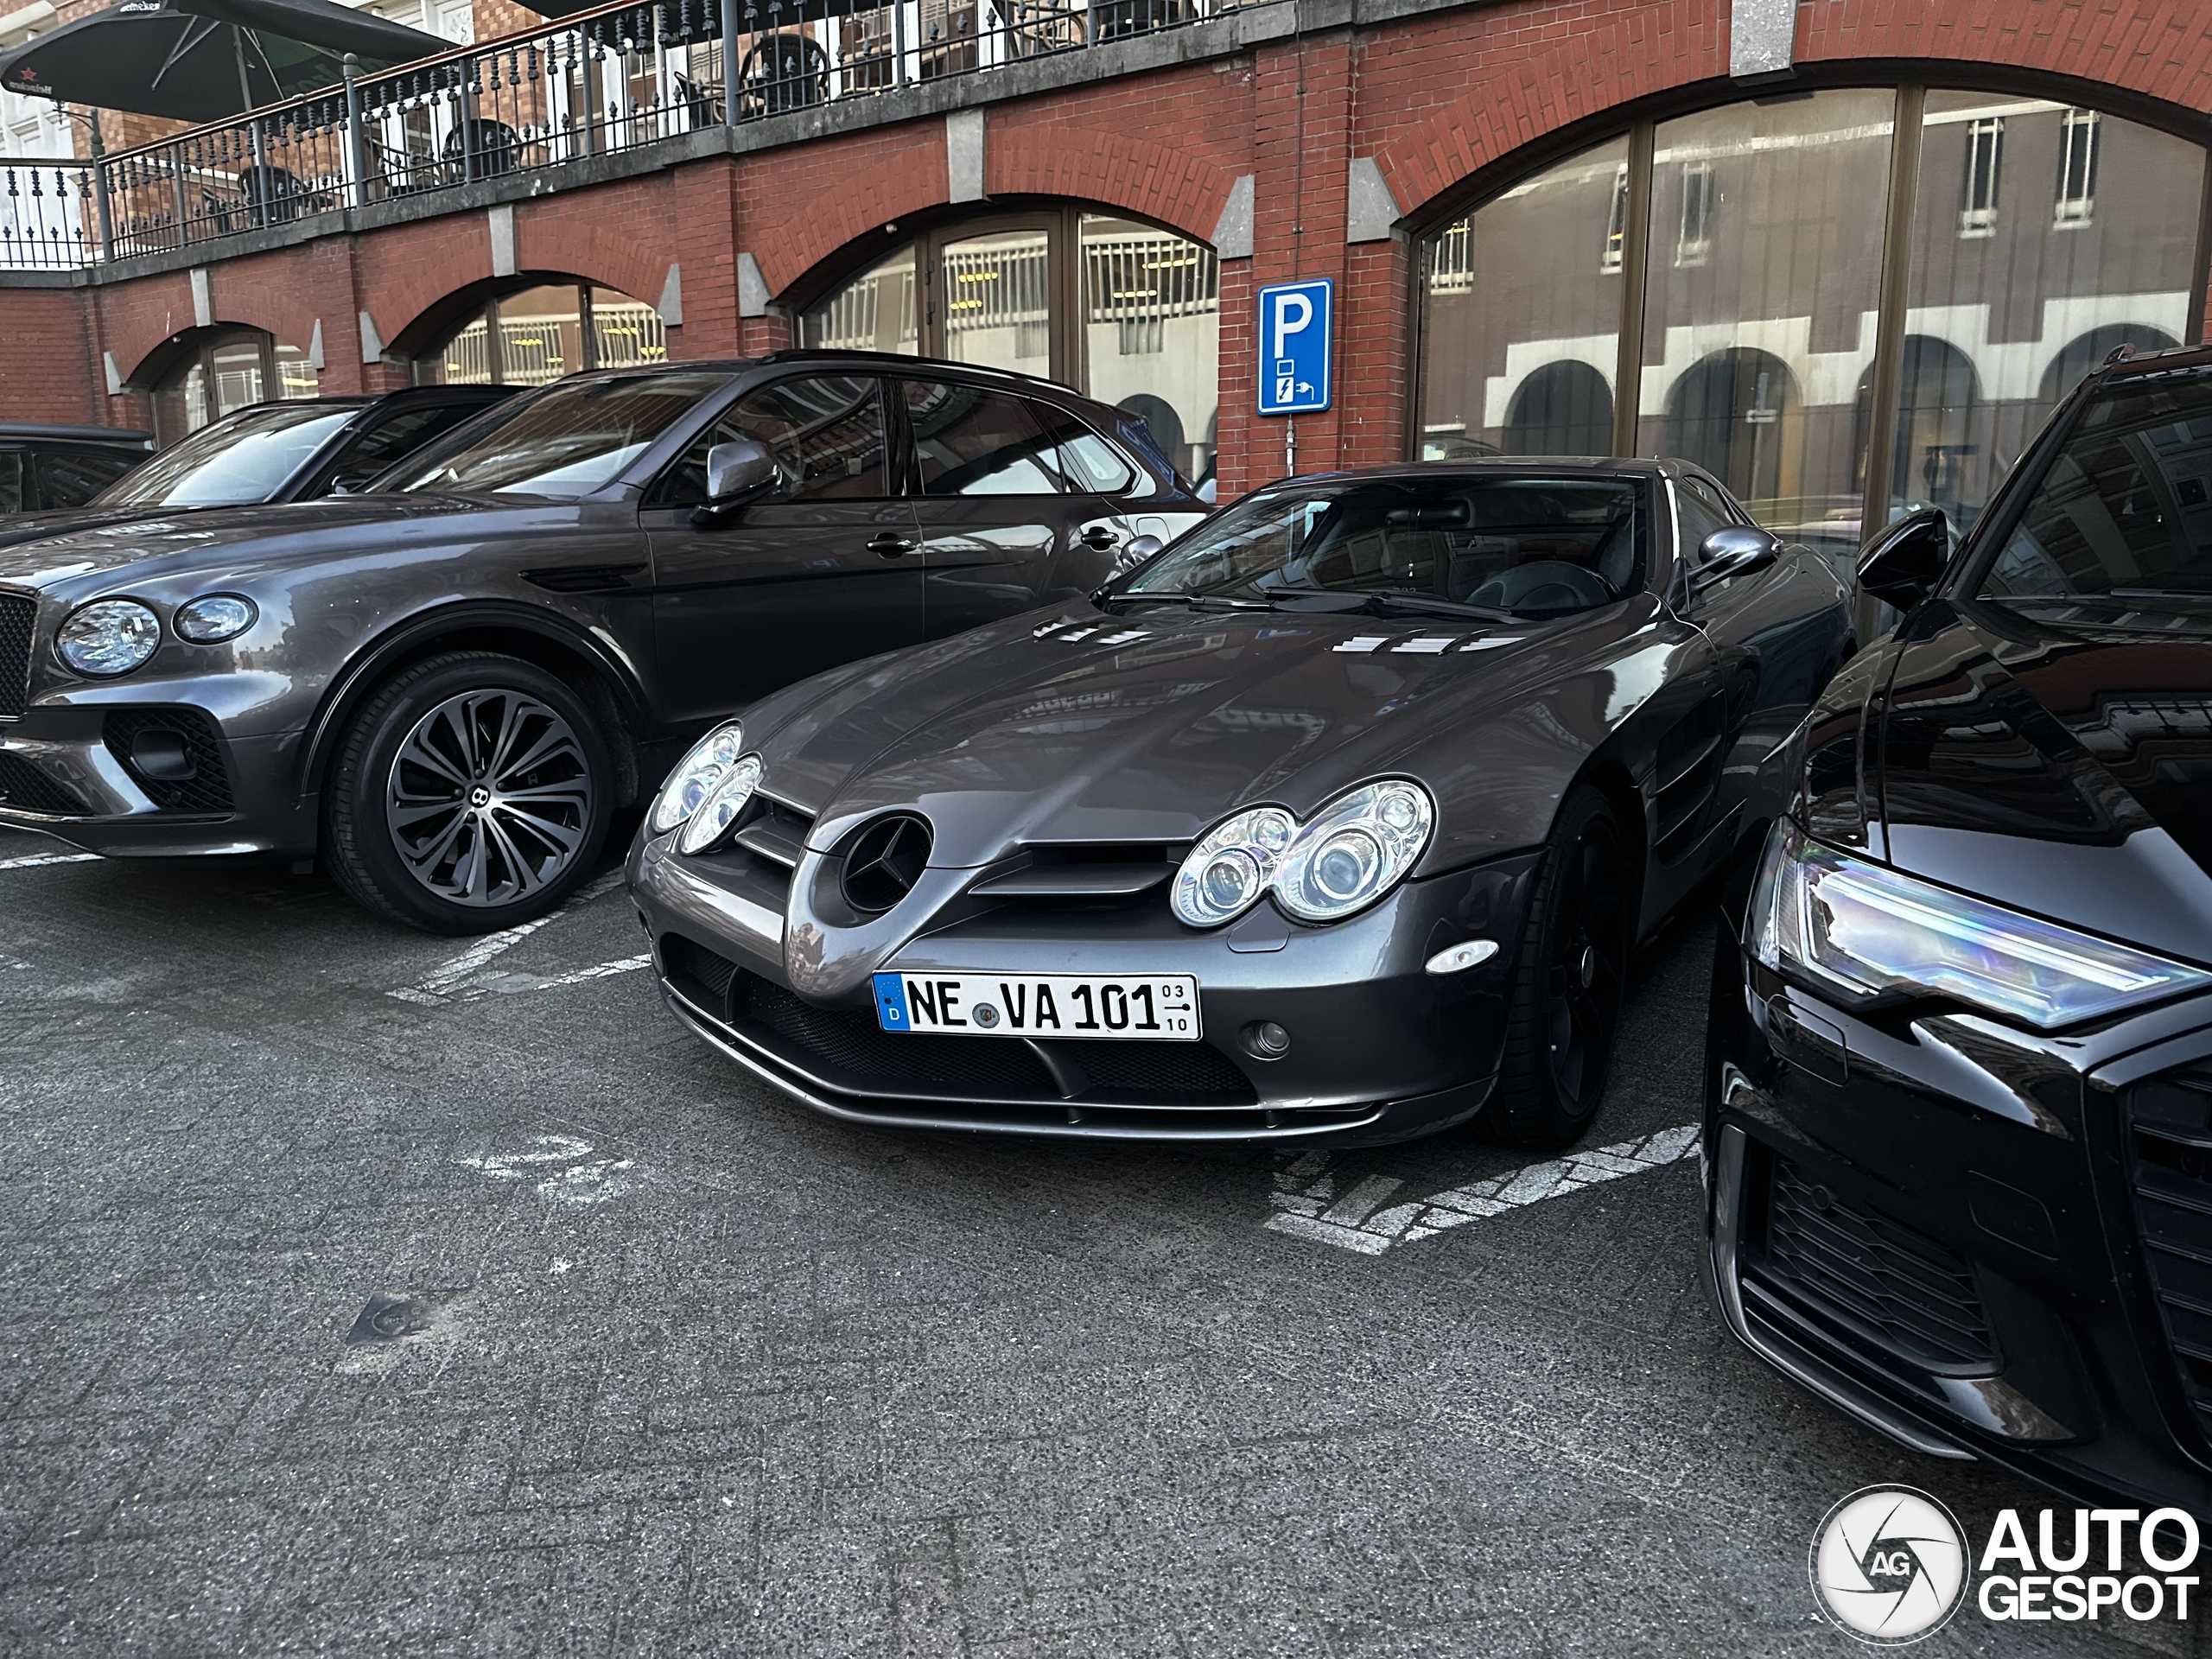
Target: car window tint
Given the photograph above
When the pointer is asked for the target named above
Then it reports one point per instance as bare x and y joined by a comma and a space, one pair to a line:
69, 478
1700, 514
1087, 461
394, 437
967, 442
1709, 496
11, 480
2126, 504
573, 438
825, 432
240, 459
1534, 545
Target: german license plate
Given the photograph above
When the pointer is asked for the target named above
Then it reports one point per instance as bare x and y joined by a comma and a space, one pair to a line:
1154, 1007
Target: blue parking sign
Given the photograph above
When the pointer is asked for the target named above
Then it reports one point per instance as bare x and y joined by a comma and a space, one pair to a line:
1296, 319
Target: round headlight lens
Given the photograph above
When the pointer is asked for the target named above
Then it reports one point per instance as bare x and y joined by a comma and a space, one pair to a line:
697, 775
719, 811
1355, 850
109, 637
213, 618
1225, 873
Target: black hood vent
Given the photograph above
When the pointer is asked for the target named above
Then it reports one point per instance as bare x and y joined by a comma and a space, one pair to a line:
884, 862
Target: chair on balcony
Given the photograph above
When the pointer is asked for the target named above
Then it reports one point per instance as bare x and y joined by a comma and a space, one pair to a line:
498, 147
267, 195
783, 72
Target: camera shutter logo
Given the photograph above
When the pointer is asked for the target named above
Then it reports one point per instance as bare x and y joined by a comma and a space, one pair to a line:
1889, 1565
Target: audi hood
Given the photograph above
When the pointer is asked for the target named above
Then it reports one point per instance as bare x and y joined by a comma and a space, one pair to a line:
1073, 725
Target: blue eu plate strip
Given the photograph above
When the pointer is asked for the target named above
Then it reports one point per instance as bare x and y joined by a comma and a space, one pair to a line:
891, 1002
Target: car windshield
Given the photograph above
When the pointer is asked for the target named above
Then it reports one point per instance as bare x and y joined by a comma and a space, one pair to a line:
2125, 511
1530, 544
239, 460
567, 441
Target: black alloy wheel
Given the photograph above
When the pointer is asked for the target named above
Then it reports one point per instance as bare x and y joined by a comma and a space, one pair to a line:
1566, 1001
471, 793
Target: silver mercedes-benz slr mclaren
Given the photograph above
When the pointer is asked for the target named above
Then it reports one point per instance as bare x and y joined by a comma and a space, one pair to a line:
1338, 819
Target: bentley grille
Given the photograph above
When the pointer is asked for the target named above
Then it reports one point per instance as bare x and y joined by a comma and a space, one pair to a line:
18, 621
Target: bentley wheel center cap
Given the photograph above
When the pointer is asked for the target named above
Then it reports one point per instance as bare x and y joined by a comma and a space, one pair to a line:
479, 796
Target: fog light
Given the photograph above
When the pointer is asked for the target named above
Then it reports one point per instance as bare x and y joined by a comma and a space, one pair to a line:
1266, 1040
1460, 956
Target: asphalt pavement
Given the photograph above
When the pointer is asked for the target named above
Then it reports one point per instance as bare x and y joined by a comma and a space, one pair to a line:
370, 1290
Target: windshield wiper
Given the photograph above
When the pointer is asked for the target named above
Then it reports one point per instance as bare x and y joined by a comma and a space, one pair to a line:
1380, 602
2200, 595
1196, 601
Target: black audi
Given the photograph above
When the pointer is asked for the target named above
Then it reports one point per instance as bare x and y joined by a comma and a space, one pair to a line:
1338, 819
1959, 1121
446, 684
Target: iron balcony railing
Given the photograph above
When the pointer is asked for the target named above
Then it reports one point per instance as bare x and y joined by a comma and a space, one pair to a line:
623, 78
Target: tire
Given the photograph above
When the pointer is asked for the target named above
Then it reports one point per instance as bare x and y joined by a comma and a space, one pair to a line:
414, 795
1566, 991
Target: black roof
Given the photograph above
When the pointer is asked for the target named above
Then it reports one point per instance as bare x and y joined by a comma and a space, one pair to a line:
125, 436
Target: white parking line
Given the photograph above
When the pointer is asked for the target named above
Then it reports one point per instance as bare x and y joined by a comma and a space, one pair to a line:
1308, 1205
604, 970
33, 860
444, 981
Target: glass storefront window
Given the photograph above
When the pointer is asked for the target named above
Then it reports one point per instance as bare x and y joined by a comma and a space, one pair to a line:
1520, 327
1128, 311
2069, 246
1761, 292
1783, 293
534, 337
228, 371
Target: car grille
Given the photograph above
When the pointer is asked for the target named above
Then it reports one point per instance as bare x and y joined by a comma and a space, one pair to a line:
759, 860
204, 788
2170, 1120
1879, 1278
18, 622
1195, 1072
25, 787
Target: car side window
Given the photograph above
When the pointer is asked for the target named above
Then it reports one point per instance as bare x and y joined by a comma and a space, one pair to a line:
69, 478
825, 432
970, 442
11, 480
1087, 461
1699, 515
370, 451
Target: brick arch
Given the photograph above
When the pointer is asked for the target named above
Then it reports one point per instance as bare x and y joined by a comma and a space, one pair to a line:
1176, 186
1635, 54
573, 238
813, 227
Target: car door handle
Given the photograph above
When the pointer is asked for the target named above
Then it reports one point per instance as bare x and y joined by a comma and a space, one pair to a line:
892, 546
1100, 538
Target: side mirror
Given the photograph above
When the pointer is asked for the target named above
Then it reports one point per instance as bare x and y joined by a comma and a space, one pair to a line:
1734, 550
737, 469
1902, 565
1135, 551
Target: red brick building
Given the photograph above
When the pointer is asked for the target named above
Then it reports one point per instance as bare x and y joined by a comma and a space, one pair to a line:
1845, 250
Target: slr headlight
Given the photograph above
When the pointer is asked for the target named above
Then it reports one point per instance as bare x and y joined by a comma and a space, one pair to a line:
696, 775
719, 809
1870, 932
1226, 873
213, 618
109, 637
1355, 850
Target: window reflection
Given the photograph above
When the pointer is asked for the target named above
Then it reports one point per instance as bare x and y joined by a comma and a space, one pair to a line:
875, 312
533, 338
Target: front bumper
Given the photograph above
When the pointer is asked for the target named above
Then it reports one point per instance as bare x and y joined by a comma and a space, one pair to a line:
1981, 1242
1380, 1050
151, 779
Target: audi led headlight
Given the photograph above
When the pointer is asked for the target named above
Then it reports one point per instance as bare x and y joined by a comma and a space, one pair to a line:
109, 637
1872, 933
1226, 873
706, 827
1355, 850
696, 775
213, 618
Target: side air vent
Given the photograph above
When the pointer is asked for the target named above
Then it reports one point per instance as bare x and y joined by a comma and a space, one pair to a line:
885, 861
2171, 1118
583, 578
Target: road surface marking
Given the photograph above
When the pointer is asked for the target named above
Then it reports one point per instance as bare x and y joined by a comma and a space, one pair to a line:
584, 1180
441, 984
1308, 1205
33, 860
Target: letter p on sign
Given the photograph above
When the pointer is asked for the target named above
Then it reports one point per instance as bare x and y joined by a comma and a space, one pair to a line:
1296, 323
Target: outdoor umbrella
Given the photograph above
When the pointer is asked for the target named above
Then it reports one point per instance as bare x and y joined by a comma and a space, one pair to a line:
206, 60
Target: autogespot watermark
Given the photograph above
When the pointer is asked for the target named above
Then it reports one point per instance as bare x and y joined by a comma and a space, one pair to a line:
1891, 1565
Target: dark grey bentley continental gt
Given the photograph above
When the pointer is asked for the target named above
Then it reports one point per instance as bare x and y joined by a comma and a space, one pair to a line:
446, 685
1338, 818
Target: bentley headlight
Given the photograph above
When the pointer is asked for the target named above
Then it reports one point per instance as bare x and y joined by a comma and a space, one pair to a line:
109, 637
719, 809
213, 618
697, 775
1355, 850
1227, 872
1870, 932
